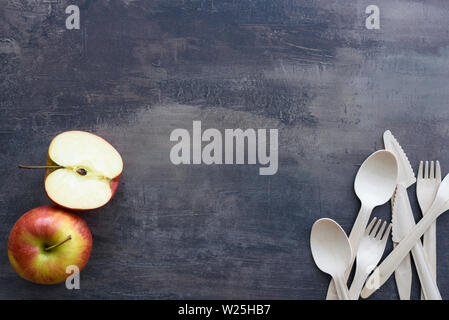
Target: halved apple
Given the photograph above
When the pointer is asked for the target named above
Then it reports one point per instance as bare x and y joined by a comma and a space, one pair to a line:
83, 170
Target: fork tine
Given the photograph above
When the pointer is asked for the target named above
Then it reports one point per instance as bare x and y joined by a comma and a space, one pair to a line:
368, 229
387, 233
438, 171
426, 171
420, 175
432, 170
379, 234
376, 227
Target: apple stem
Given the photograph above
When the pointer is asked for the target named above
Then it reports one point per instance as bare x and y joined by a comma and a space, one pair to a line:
40, 167
57, 245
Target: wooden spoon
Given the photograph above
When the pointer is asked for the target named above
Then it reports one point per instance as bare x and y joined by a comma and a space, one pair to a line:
332, 252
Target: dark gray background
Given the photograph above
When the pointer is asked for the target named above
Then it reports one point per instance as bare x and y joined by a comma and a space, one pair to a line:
139, 69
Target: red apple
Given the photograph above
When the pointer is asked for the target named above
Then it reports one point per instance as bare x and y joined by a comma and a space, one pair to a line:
83, 170
45, 241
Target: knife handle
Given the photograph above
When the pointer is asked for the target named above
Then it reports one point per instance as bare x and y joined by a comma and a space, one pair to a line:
392, 261
403, 277
428, 284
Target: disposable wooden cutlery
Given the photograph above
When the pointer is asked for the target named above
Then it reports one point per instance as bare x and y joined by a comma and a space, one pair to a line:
374, 185
370, 252
391, 262
426, 189
332, 252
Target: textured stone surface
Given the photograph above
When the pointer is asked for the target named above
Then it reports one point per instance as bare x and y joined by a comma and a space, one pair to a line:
139, 69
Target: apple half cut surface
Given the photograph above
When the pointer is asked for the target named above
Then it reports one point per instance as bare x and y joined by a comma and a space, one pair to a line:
83, 170
88, 173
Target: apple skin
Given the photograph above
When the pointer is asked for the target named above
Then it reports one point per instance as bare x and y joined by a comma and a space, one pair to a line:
42, 227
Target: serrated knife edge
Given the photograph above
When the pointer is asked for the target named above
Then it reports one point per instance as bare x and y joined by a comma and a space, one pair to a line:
406, 174
401, 205
394, 222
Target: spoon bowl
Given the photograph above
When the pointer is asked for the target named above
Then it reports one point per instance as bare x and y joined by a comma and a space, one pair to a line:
376, 179
331, 252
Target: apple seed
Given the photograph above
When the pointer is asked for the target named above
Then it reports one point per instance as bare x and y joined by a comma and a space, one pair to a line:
81, 171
